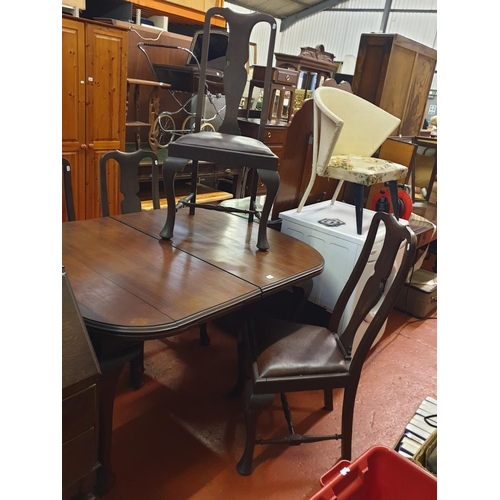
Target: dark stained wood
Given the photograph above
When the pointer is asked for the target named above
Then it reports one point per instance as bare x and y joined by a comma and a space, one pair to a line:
270, 271
138, 68
132, 285
311, 60
275, 134
79, 365
296, 163
227, 146
80, 375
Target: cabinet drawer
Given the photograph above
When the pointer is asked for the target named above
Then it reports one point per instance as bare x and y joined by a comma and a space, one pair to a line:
277, 149
279, 75
275, 136
79, 413
286, 76
79, 455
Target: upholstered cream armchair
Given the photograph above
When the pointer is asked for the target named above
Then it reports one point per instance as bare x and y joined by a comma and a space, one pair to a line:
347, 131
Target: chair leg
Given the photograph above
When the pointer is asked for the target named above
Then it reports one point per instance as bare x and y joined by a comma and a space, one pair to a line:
301, 293
337, 191
271, 180
347, 419
328, 399
204, 338
253, 193
308, 190
194, 185
169, 170
137, 369
237, 390
358, 190
254, 407
393, 189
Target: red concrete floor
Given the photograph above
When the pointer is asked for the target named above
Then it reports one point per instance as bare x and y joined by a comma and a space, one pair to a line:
179, 437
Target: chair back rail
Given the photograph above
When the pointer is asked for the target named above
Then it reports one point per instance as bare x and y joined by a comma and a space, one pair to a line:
235, 73
128, 163
380, 291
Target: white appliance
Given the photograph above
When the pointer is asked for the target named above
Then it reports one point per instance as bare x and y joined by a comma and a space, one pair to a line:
340, 247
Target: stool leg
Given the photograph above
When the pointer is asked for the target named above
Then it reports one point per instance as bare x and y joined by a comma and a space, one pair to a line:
393, 188
358, 190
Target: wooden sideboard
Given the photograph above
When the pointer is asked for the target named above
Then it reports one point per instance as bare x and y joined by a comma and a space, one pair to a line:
396, 74
80, 376
311, 60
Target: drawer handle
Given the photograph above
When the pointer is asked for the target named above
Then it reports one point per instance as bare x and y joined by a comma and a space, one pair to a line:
227, 171
269, 135
287, 78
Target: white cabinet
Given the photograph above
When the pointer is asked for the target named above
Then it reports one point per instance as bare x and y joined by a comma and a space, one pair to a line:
340, 247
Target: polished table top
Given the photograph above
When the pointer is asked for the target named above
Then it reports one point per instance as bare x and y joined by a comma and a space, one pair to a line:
130, 285
129, 282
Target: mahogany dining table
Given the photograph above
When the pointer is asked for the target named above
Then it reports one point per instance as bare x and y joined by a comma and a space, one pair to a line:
132, 286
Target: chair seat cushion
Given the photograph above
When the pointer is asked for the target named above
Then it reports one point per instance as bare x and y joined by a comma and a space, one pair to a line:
234, 150
363, 170
216, 140
286, 349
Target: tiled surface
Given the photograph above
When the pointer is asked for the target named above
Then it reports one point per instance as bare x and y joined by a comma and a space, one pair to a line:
180, 436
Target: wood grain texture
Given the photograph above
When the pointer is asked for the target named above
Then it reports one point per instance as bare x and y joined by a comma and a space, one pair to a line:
228, 242
134, 285
80, 376
94, 87
395, 73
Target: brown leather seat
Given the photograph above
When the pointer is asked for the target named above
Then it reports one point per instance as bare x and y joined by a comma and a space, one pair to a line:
203, 146
226, 146
281, 356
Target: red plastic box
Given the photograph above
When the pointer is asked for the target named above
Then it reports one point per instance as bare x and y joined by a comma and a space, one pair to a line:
380, 473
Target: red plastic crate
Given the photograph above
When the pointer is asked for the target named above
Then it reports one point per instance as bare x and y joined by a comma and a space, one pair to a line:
380, 473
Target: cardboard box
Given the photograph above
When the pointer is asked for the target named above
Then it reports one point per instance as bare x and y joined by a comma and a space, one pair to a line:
419, 298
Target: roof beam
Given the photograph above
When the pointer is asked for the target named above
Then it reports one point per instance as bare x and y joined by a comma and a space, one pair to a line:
385, 16
288, 21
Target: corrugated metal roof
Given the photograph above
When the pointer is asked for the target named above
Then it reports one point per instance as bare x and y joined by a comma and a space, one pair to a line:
283, 8
292, 11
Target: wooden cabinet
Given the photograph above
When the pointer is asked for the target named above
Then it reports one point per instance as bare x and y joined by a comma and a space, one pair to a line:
311, 61
80, 375
396, 74
94, 86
